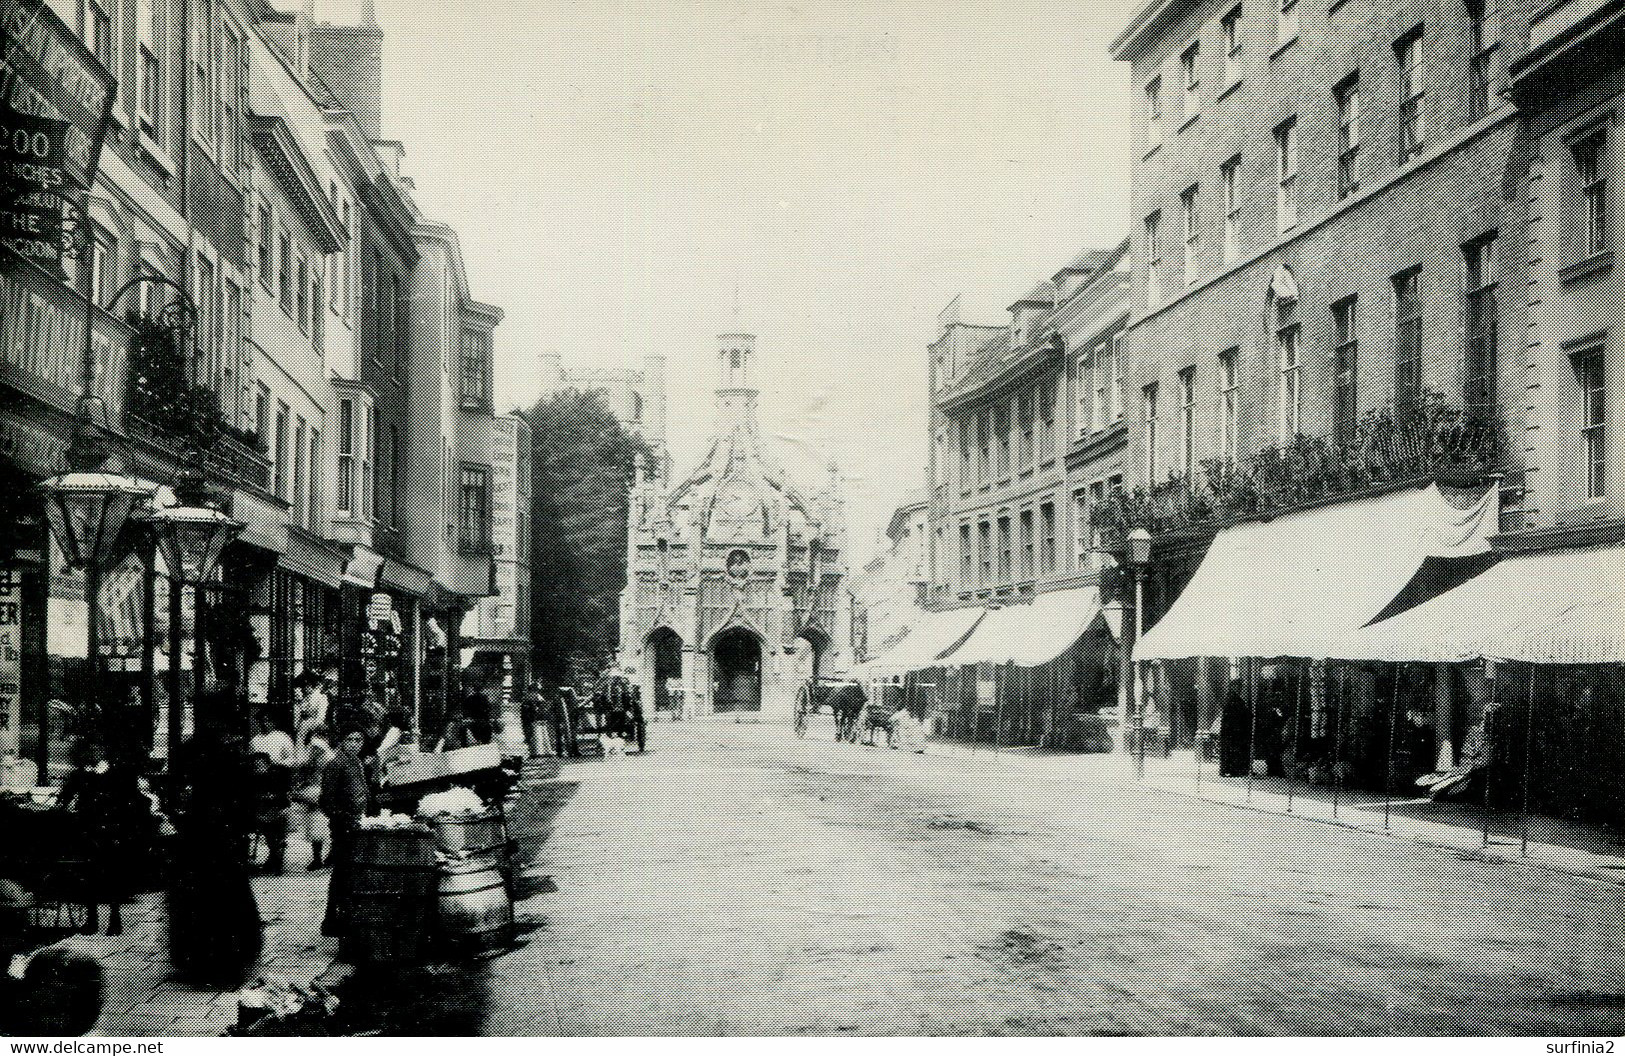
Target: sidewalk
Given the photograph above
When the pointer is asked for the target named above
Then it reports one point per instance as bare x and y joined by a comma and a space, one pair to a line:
1574, 848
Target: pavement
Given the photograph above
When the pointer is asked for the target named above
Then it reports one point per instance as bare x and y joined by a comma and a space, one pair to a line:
737, 880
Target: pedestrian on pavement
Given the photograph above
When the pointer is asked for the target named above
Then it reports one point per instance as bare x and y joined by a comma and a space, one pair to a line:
215, 932
563, 720
305, 817
346, 798
530, 711
114, 821
1235, 729
270, 785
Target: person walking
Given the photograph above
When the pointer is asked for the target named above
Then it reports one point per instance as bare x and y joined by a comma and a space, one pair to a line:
215, 933
530, 711
114, 821
346, 798
1235, 735
273, 757
305, 817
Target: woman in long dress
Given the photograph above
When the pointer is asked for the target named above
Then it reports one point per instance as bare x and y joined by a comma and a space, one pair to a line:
215, 934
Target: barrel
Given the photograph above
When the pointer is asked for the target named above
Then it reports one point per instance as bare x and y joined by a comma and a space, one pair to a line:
475, 909
394, 874
469, 835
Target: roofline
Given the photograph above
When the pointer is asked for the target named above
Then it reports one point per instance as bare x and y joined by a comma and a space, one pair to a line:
1150, 16
305, 187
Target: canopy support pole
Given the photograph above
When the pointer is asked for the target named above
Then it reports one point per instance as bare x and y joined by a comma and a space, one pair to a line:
1492, 722
1250, 673
1528, 751
1393, 732
1337, 737
1297, 719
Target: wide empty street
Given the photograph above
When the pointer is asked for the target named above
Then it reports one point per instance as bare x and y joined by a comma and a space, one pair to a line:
736, 880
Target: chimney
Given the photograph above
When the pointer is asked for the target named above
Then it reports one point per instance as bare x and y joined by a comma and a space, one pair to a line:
350, 60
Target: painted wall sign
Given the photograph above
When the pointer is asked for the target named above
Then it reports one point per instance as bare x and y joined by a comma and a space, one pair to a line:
11, 670
42, 343
56, 76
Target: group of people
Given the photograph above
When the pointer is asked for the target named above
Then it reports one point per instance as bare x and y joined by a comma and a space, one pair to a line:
613, 707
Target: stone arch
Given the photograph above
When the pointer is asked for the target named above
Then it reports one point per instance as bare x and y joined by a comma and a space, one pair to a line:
663, 665
738, 660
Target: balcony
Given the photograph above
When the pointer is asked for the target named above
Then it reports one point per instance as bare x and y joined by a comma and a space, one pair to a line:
228, 458
1387, 448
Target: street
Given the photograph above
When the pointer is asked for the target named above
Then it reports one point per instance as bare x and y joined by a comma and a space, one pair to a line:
736, 880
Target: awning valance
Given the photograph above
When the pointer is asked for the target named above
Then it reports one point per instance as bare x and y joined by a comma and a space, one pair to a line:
1558, 607
930, 636
1031, 635
311, 559
1301, 584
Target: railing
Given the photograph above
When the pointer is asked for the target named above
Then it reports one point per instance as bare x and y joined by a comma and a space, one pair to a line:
1431, 439
227, 458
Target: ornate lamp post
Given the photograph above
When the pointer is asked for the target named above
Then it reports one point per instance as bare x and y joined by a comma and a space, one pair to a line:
190, 535
1139, 555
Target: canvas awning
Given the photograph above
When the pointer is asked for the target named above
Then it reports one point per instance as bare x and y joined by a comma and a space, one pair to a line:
1558, 607
930, 636
1031, 635
1301, 584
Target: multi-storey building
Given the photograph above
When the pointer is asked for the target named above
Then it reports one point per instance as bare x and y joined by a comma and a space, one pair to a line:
250, 254
1374, 289
891, 586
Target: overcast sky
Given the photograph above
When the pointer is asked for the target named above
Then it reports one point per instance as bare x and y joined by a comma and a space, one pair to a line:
615, 170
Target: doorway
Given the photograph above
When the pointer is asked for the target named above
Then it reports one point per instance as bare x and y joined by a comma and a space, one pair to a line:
664, 652
736, 671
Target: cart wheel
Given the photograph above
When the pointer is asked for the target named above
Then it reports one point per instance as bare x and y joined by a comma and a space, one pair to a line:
62, 991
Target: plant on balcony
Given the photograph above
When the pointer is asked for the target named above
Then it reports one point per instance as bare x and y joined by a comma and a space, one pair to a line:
161, 389
1428, 438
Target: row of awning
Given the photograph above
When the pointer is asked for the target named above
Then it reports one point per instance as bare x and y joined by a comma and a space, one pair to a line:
1403, 577
1027, 635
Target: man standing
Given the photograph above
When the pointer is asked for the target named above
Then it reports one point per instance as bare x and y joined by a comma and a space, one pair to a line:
346, 799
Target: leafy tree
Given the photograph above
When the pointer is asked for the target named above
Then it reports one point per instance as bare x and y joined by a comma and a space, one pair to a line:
581, 461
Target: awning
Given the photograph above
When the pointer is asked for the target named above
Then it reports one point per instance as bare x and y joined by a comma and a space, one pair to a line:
312, 559
930, 636
362, 568
1557, 607
409, 578
1301, 584
1031, 635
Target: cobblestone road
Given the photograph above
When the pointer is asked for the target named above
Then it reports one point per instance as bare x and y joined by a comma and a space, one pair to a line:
738, 881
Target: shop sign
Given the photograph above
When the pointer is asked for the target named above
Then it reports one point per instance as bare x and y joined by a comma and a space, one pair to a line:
32, 176
35, 449
53, 75
42, 341
380, 607
11, 669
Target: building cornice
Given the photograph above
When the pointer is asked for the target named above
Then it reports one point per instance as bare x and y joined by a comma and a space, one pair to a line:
1150, 17
275, 142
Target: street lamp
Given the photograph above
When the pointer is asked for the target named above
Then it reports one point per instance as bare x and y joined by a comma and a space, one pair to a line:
191, 535
1139, 555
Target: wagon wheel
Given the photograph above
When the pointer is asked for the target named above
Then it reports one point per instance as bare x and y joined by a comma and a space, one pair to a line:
804, 706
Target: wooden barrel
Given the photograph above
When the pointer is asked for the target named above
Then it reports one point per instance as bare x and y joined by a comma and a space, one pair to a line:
394, 875
469, 835
475, 909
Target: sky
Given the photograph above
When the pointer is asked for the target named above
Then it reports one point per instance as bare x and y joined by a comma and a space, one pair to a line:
617, 171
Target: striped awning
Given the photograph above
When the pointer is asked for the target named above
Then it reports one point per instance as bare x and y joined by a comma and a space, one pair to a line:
1031, 635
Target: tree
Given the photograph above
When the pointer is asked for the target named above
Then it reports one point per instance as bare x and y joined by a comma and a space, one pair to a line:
582, 461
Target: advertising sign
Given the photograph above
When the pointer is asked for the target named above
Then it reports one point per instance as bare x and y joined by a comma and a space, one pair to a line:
54, 76
11, 670
31, 178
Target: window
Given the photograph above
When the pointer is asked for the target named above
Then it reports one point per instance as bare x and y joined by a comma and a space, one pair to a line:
1227, 404
394, 494
984, 434
1190, 73
103, 266
345, 487
302, 312
346, 255
149, 92
206, 369
1046, 409
1286, 174
967, 559
1479, 360
1117, 377
1286, 21
315, 479
1287, 335
1001, 429
1591, 178
1230, 28
279, 456
301, 512
1100, 405
1407, 339
98, 33
383, 312
1588, 372
1232, 208
1481, 49
984, 544
284, 280
1187, 422
369, 474
473, 376
1005, 571
265, 247
1081, 541
1046, 544
314, 287
262, 416
1153, 114
967, 472
1192, 225
1148, 418
1097, 495
1408, 56
231, 53
1345, 369
202, 69
1153, 257
1348, 136
1024, 418
475, 519
1028, 545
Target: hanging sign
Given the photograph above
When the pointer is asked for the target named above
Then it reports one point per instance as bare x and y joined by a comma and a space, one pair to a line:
50, 73
379, 608
11, 671
32, 179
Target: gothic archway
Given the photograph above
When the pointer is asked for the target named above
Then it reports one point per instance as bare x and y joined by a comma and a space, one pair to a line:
736, 671
663, 656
